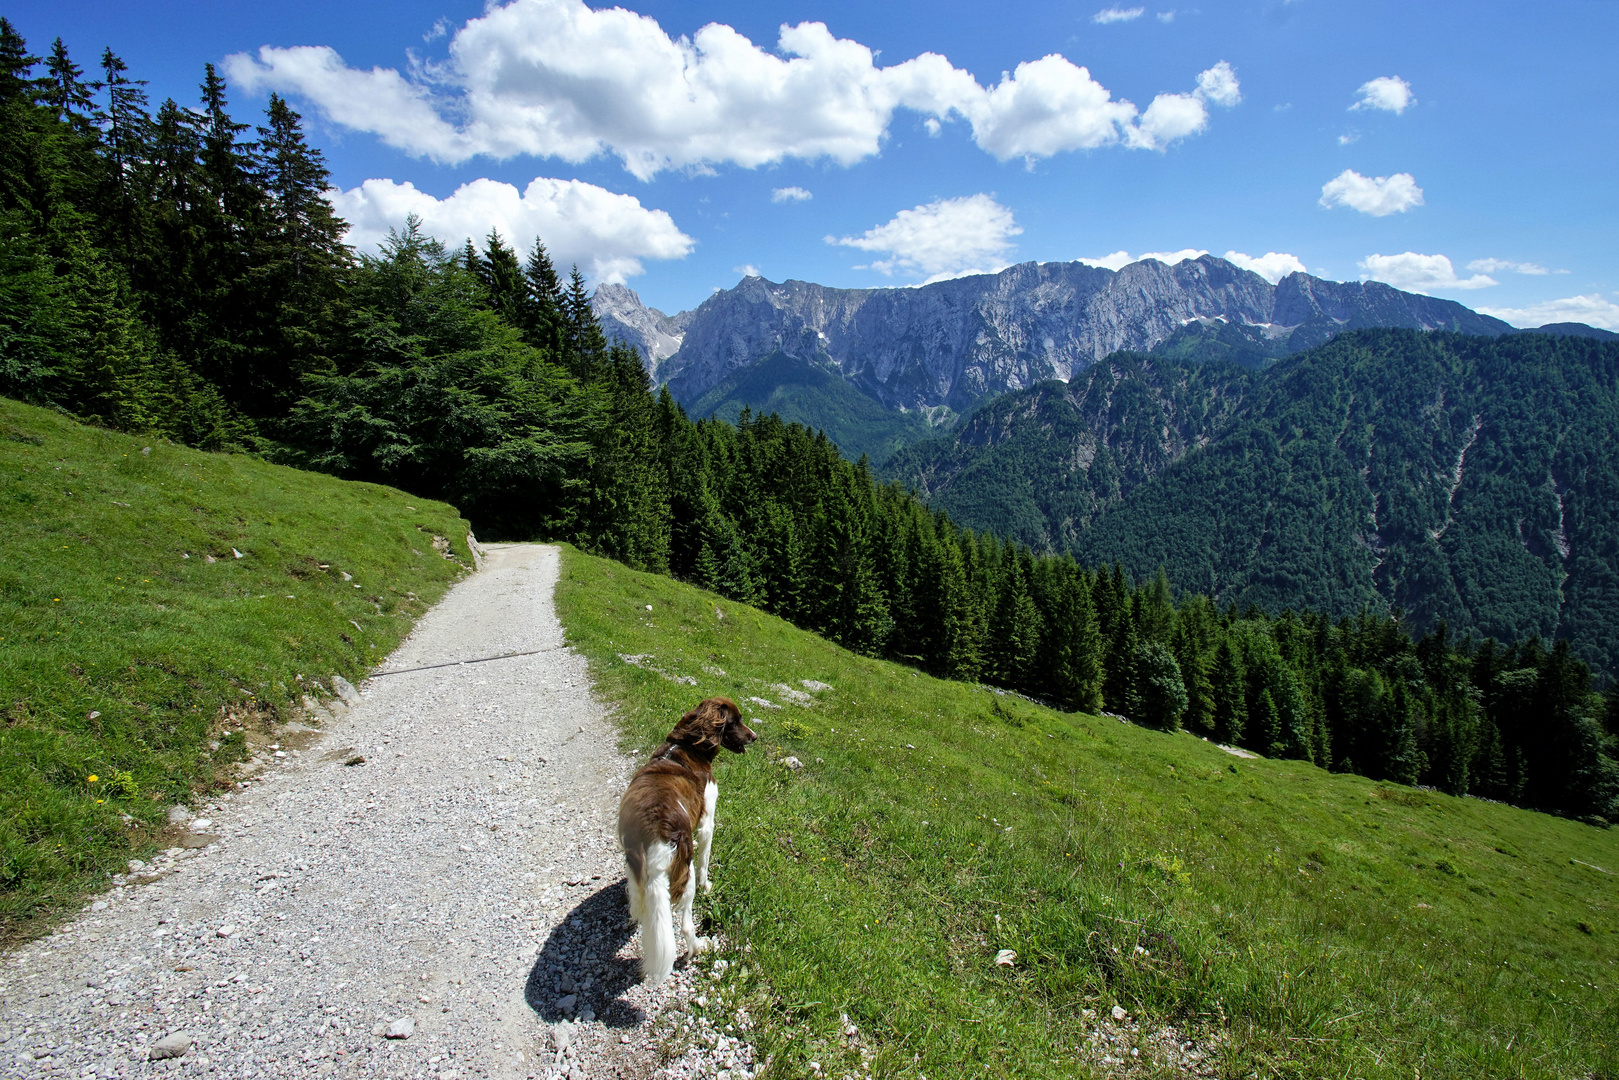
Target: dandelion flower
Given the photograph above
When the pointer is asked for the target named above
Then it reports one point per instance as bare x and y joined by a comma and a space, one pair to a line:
92, 778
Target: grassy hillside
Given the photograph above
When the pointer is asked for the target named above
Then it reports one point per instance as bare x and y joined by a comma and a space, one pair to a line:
129, 627
821, 400
1296, 922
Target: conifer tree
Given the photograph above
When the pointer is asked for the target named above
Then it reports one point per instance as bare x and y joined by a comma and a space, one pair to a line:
1160, 693
64, 92
584, 344
125, 125
1267, 726
545, 288
1015, 628
1227, 690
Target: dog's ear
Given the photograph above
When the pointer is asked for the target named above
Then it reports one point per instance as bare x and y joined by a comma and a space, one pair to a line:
702, 728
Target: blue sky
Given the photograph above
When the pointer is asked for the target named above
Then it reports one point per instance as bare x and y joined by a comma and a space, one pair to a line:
1467, 151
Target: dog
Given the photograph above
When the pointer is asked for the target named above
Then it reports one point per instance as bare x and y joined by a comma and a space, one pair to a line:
666, 824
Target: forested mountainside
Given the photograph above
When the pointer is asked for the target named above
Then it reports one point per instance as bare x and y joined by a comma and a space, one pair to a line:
1459, 479
813, 394
479, 378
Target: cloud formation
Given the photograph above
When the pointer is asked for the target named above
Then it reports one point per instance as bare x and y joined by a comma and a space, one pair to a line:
555, 78
941, 239
1495, 266
605, 233
1378, 196
1389, 93
1273, 266
1419, 273
790, 194
1117, 15
1593, 310
1120, 259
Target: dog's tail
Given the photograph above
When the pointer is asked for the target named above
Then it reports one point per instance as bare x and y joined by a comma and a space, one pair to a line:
656, 916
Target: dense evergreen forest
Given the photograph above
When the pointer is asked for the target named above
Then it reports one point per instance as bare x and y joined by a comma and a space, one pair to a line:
179, 274
1460, 479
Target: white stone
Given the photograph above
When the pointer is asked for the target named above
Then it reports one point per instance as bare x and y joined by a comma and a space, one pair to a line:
170, 1046
345, 690
402, 1028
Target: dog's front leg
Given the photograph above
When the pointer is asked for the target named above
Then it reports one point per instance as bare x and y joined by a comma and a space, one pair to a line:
705, 835
688, 927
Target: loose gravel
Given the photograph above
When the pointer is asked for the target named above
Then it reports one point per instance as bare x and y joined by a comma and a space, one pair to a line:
452, 906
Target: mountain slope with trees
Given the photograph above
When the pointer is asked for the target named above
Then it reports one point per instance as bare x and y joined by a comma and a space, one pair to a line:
480, 376
1459, 479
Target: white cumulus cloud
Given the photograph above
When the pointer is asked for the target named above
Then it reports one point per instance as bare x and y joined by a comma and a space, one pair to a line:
556, 78
1419, 273
1120, 259
1116, 261
1172, 117
1495, 266
1273, 266
1378, 196
940, 239
1593, 310
747, 270
790, 194
1117, 14
605, 233
1389, 93
1219, 85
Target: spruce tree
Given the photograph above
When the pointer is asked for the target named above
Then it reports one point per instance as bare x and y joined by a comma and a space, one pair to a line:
584, 344
545, 288
1227, 690
64, 92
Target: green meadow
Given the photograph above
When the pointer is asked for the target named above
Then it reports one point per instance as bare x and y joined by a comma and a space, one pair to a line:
1292, 922
138, 652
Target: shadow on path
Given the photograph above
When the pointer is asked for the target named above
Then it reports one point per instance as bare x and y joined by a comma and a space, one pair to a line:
580, 961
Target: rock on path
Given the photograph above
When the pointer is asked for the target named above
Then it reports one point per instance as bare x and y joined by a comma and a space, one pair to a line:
464, 880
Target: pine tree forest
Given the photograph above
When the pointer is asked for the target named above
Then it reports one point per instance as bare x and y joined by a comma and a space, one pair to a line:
174, 271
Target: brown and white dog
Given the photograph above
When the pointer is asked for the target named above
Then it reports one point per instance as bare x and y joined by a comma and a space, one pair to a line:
666, 824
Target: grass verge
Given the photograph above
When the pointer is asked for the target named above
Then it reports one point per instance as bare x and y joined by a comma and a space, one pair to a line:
1297, 923
148, 592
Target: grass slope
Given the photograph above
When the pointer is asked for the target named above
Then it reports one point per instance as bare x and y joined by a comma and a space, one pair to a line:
120, 656
1323, 925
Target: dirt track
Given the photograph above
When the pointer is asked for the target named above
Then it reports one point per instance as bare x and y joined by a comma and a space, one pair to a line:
464, 877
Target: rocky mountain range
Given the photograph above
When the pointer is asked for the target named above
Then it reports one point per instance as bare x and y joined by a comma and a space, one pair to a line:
943, 347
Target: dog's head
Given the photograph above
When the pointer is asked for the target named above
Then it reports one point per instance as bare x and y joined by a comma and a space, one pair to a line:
715, 723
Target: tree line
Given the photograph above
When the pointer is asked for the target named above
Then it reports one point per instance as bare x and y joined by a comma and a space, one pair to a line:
168, 273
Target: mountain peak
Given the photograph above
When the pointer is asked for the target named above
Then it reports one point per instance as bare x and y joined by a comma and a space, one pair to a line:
954, 342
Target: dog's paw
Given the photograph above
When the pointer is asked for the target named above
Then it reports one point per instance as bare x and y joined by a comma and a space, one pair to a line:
707, 886
700, 945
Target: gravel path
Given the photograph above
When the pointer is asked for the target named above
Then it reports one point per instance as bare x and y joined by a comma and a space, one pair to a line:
462, 882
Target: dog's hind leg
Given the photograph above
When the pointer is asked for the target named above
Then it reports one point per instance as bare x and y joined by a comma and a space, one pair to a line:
657, 928
688, 929
635, 893
705, 835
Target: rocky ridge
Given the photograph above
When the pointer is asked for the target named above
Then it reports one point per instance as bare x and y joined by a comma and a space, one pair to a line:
953, 343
